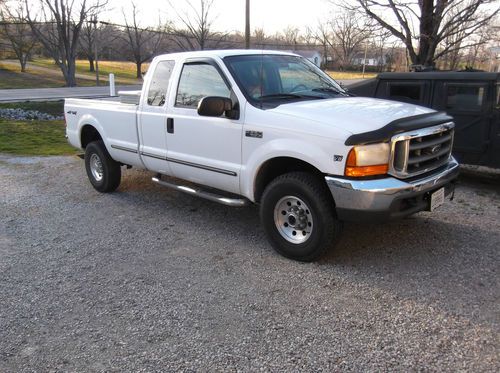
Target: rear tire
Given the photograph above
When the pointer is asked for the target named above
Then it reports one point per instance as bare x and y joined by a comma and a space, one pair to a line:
298, 216
103, 171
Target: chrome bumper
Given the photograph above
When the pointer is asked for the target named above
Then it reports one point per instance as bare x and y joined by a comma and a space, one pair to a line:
361, 200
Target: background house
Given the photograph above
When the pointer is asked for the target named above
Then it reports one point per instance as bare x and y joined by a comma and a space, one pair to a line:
370, 60
314, 56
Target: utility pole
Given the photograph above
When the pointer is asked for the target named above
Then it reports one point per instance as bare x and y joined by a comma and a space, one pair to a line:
96, 56
247, 24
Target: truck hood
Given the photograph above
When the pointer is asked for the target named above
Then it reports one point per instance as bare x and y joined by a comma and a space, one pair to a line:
352, 114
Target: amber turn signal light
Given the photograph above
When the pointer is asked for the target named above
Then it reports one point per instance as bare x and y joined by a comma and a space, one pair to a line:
353, 170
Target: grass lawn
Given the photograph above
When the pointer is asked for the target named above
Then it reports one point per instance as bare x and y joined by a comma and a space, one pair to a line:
121, 69
34, 138
43, 73
125, 72
11, 77
55, 108
345, 75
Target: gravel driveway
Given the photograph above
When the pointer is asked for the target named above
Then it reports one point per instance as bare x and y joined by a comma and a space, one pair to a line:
148, 279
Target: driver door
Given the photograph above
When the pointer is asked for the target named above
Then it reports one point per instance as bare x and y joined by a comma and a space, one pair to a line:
204, 150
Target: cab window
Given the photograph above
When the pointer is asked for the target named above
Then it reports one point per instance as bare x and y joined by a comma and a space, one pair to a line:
199, 80
407, 92
157, 92
466, 97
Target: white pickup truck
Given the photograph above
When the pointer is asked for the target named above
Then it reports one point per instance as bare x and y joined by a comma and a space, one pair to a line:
270, 128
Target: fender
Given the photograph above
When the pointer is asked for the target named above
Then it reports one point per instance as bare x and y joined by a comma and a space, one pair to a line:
86, 120
317, 156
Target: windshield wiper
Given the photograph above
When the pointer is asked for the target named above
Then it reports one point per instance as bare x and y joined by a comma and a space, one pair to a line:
327, 89
286, 96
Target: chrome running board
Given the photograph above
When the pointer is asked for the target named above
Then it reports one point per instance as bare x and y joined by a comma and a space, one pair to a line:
234, 202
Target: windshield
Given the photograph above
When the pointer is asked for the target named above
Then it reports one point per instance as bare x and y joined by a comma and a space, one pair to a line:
267, 77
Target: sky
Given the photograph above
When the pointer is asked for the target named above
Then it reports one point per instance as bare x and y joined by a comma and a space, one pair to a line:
271, 15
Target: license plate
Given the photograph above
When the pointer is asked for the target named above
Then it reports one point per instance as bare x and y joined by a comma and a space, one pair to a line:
437, 199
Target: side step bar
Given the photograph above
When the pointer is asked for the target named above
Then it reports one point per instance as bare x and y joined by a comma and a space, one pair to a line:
234, 202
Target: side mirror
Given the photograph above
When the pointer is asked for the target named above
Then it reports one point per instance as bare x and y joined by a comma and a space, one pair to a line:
214, 106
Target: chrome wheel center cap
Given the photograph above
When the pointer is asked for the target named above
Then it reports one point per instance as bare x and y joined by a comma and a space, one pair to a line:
96, 167
293, 219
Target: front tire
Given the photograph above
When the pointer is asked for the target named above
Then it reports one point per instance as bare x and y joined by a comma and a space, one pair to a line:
103, 171
298, 216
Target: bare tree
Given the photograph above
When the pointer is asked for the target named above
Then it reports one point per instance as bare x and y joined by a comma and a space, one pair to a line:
87, 42
259, 36
485, 39
58, 29
390, 56
350, 33
323, 37
18, 34
343, 36
196, 31
430, 22
452, 58
290, 35
380, 42
309, 37
143, 43
106, 36
112, 41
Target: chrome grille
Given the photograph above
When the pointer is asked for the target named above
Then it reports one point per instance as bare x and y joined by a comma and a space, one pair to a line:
420, 151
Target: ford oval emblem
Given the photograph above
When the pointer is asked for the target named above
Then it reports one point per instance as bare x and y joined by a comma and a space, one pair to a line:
435, 149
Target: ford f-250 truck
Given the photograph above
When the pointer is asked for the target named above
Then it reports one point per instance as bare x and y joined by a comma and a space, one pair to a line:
270, 128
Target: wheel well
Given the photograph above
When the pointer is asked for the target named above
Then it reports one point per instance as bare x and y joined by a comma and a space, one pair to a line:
275, 167
89, 134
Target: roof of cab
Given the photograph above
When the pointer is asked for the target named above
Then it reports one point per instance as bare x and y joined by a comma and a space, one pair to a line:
221, 53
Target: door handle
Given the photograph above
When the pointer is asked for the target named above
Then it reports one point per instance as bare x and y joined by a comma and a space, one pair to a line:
170, 125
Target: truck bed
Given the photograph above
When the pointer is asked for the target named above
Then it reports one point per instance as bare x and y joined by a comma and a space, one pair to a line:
116, 122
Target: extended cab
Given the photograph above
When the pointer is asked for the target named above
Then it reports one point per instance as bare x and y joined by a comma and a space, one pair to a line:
270, 128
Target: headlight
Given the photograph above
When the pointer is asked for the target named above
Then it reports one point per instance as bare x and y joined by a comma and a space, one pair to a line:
368, 160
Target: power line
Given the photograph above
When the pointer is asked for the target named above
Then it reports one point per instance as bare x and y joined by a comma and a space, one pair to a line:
6, 23
181, 34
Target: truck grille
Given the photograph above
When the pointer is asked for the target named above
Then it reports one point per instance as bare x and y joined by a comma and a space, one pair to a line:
420, 151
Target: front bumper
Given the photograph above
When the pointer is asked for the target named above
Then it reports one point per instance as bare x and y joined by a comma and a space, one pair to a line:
388, 198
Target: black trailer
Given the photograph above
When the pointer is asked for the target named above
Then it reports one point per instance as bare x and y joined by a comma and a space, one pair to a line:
472, 98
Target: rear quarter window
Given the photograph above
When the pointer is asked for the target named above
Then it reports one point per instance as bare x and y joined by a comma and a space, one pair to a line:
158, 87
